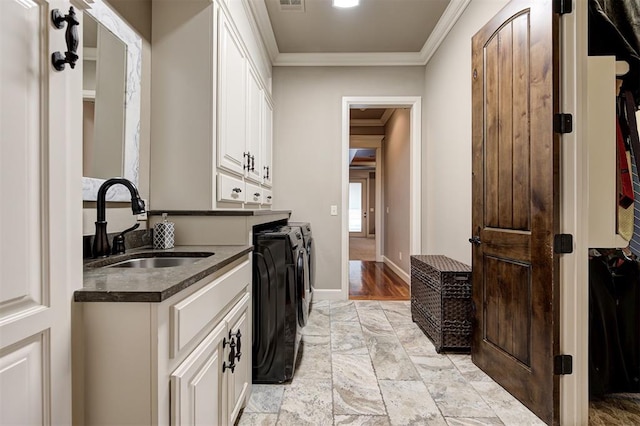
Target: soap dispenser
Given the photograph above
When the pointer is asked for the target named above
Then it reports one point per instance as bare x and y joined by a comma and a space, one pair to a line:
163, 234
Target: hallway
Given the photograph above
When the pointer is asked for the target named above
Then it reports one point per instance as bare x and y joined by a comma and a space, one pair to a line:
371, 280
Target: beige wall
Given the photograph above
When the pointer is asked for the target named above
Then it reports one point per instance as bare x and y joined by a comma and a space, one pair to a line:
446, 155
138, 14
307, 145
395, 188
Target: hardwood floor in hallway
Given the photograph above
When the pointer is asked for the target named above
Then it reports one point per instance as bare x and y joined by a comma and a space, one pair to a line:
375, 281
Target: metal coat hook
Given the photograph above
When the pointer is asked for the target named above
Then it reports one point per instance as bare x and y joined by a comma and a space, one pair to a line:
71, 37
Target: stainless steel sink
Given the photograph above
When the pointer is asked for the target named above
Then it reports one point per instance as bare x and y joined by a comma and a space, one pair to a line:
150, 259
155, 262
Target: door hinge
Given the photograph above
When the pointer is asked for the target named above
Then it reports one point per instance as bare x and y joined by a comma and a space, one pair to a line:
563, 6
563, 123
562, 365
563, 243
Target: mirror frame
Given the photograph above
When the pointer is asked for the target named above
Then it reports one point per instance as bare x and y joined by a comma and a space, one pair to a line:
105, 16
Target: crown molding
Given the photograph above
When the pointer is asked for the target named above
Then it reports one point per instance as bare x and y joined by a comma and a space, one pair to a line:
357, 59
448, 19
445, 23
261, 18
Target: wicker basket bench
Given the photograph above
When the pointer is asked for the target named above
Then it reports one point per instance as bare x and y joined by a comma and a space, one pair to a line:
441, 301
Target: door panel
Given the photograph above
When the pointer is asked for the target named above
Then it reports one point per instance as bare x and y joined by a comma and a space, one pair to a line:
40, 170
515, 171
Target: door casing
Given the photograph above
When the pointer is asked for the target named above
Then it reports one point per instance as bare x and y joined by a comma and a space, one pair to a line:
415, 199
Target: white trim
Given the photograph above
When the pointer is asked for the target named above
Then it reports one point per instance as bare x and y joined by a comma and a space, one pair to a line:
395, 268
261, 18
443, 26
445, 23
327, 294
415, 204
574, 219
357, 59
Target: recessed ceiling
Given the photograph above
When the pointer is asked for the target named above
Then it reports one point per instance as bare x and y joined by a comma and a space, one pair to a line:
373, 26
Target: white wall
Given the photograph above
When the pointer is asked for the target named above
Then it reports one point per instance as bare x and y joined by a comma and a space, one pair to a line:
396, 182
446, 155
307, 145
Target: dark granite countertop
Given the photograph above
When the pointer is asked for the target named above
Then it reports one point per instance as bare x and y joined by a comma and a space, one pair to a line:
153, 284
218, 212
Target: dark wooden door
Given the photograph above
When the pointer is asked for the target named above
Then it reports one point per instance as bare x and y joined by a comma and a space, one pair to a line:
515, 187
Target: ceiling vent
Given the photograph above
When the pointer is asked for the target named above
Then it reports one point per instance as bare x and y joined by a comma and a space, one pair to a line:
292, 5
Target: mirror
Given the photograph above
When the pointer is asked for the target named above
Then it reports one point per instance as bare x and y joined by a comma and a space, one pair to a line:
111, 102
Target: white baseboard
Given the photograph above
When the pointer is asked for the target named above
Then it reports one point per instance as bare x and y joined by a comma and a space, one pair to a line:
402, 274
328, 294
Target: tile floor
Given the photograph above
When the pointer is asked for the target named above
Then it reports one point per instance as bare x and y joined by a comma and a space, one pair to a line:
367, 363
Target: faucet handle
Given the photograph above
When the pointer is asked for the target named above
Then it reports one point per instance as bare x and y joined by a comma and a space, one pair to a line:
118, 240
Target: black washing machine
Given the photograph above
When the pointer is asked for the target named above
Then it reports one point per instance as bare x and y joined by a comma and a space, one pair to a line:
305, 229
278, 262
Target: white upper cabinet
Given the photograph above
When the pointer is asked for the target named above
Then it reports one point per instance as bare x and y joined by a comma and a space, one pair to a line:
208, 116
232, 101
267, 142
254, 127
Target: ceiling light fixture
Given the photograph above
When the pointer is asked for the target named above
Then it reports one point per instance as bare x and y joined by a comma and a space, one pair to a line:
345, 3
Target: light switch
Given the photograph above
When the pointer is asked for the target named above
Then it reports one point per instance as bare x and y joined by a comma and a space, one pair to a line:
334, 210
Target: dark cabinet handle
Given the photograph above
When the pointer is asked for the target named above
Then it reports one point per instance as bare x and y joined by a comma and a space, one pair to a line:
266, 175
238, 345
475, 240
253, 163
236, 190
269, 197
71, 37
232, 355
257, 194
247, 156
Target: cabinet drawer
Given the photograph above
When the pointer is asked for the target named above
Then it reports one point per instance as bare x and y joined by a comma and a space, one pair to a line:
189, 316
267, 197
254, 194
230, 189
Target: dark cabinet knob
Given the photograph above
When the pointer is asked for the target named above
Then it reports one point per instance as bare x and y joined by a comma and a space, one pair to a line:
237, 190
475, 240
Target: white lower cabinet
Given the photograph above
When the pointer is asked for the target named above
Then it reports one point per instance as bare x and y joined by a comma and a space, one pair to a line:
183, 361
196, 385
210, 386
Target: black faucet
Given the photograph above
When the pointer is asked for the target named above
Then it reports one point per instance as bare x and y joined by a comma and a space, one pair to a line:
118, 247
101, 246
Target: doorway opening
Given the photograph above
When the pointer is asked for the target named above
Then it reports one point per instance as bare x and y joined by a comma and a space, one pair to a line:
380, 232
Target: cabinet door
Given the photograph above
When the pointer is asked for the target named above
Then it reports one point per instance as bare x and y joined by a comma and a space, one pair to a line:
196, 385
238, 322
267, 142
254, 126
40, 169
232, 83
